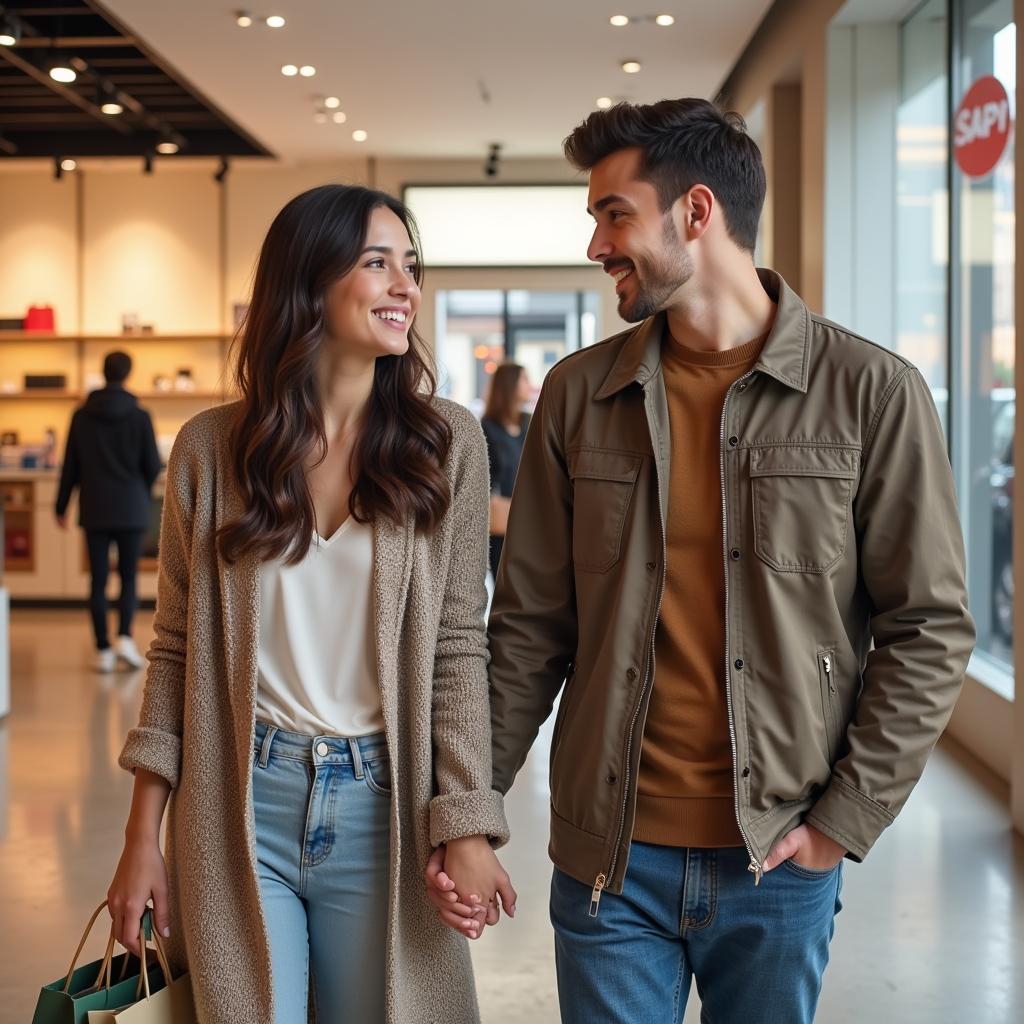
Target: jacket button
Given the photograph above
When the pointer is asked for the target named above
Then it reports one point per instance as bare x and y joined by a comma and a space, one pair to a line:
631, 674
733, 441
738, 663
746, 772
742, 387
735, 554
652, 566
611, 779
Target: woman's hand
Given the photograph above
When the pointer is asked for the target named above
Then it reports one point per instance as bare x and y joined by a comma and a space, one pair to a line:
141, 876
479, 881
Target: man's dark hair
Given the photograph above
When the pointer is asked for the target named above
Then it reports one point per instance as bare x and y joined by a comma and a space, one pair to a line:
684, 143
116, 367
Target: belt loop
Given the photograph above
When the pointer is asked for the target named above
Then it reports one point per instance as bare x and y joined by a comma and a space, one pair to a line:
357, 760
268, 739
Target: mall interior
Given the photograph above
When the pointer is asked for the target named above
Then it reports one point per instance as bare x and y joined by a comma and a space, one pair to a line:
145, 147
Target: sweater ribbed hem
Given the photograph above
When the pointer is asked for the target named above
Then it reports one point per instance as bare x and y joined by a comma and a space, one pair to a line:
686, 821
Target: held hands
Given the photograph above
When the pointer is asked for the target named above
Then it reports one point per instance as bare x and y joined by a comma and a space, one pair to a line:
465, 882
808, 848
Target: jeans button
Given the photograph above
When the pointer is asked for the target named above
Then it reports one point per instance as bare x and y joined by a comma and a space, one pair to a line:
322, 749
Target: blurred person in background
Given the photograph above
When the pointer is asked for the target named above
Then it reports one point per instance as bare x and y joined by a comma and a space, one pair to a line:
504, 423
112, 458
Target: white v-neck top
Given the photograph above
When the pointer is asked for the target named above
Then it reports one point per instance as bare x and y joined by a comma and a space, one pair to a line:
317, 659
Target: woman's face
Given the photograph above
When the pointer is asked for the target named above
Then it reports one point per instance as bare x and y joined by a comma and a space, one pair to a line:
371, 309
523, 389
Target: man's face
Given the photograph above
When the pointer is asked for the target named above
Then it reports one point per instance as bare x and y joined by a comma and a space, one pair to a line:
633, 239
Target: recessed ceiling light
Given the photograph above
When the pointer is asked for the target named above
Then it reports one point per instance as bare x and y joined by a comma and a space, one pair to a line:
619, 20
320, 117
63, 74
603, 102
167, 147
339, 116
307, 71
631, 67
112, 108
243, 19
332, 103
664, 20
275, 21
289, 70
359, 135
68, 164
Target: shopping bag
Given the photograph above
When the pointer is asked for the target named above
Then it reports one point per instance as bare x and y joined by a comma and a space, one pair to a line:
108, 982
170, 1004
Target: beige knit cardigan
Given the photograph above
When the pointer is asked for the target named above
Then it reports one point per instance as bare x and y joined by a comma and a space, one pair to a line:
197, 719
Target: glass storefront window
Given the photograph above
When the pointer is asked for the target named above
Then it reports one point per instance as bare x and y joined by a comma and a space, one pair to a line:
478, 329
983, 407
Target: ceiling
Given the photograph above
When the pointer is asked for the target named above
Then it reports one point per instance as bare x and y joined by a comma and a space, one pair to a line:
441, 79
39, 117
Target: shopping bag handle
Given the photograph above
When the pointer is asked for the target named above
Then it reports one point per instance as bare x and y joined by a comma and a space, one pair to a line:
161, 956
104, 968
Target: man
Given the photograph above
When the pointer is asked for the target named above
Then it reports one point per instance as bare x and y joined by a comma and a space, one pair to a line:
111, 456
734, 539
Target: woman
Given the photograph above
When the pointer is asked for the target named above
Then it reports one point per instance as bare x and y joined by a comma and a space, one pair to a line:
317, 695
504, 425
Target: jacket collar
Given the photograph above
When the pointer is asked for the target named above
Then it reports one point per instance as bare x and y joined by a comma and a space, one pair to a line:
785, 355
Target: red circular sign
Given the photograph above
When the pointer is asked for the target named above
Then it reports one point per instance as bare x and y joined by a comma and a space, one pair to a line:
981, 127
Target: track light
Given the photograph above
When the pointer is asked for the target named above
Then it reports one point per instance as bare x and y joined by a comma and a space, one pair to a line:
107, 99
58, 170
60, 71
222, 170
167, 147
147, 162
243, 19
10, 29
491, 163
275, 21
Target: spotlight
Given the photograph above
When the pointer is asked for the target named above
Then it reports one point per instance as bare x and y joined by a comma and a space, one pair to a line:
339, 117
603, 102
359, 135
491, 163
60, 71
307, 71
67, 164
275, 21
10, 29
332, 103
664, 20
108, 100
619, 20
167, 147
289, 70
222, 170
113, 108
631, 67
243, 19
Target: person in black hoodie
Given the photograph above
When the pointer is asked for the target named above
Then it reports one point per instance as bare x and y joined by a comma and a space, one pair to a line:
111, 456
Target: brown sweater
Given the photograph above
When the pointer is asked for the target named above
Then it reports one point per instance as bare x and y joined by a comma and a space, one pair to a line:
685, 787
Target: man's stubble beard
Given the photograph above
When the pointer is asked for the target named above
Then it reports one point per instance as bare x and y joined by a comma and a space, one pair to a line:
661, 278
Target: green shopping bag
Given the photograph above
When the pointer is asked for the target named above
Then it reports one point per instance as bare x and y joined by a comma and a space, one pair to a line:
92, 987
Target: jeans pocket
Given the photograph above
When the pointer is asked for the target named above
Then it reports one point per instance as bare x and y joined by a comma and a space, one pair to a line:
378, 775
809, 874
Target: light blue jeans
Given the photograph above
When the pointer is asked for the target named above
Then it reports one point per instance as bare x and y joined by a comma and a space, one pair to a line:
322, 807
756, 953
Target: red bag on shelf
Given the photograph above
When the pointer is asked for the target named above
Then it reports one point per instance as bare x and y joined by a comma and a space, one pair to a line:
40, 318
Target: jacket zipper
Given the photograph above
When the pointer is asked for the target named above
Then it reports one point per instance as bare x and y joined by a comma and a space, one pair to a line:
602, 879
754, 867
829, 709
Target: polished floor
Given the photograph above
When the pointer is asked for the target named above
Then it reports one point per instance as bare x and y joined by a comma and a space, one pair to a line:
932, 931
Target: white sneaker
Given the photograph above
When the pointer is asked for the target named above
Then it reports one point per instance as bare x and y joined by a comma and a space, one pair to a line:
106, 660
128, 652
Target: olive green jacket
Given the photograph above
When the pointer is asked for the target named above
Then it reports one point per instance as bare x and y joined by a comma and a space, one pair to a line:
847, 625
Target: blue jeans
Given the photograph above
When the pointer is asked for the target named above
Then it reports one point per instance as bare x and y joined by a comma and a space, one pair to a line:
322, 807
757, 954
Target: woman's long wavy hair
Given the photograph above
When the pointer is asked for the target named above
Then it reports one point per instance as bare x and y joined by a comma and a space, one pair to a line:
402, 447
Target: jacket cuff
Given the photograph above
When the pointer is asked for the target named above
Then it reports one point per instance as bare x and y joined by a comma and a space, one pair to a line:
849, 817
155, 750
474, 813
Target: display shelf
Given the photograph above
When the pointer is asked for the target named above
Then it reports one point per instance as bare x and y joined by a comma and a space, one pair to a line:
40, 393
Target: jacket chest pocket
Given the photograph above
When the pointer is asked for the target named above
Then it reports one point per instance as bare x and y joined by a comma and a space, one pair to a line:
602, 485
801, 497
